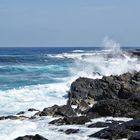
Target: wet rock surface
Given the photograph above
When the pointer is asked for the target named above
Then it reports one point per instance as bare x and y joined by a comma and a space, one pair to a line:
112, 133
135, 136
32, 109
116, 96
31, 137
56, 111
13, 117
135, 52
71, 120
21, 112
109, 87
104, 124
119, 131
71, 131
115, 108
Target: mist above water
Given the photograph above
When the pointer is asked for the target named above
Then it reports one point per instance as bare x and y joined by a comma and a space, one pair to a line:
111, 45
111, 60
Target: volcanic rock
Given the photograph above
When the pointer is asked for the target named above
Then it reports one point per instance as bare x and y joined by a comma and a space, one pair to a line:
31, 137
32, 109
115, 108
21, 112
109, 87
103, 124
9, 117
71, 131
124, 130
71, 120
112, 133
55, 111
135, 136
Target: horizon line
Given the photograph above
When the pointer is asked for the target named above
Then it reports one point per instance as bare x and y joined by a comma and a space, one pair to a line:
63, 46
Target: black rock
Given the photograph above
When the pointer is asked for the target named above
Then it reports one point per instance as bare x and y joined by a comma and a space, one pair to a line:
135, 52
50, 111
71, 131
32, 109
31, 137
82, 107
135, 136
115, 108
59, 121
71, 120
9, 117
119, 131
22, 112
112, 133
103, 124
55, 111
13, 117
133, 125
135, 100
109, 87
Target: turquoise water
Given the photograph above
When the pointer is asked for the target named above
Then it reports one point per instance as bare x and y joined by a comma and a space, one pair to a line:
31, 66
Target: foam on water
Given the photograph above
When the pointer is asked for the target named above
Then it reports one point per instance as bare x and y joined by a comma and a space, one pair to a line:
111, 61
41, 126
38, 96
77, 51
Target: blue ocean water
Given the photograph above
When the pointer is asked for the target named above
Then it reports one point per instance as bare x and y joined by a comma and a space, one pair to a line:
31, 66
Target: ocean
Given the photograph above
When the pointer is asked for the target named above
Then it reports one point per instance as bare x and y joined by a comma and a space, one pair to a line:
41, 77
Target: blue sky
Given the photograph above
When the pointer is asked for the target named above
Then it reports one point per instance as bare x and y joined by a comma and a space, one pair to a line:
73, 23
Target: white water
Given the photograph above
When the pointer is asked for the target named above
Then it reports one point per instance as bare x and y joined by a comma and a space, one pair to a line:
12, 129
39, 97
110, 61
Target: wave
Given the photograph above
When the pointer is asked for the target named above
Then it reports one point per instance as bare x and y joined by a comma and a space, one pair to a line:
71, 55
78, 51
41, 126
36, 96
110, 61
29, 68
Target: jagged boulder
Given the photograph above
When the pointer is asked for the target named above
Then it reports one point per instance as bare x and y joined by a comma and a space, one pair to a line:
112, 133
135, 136
115, 108
119, 131
109, 87
104, 124
13, 117
71, 120
71, 131
55, 111
117, 90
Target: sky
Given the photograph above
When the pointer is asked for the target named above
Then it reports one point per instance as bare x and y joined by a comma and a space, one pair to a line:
68, 23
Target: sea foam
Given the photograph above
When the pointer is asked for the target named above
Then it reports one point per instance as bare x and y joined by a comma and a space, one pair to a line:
38, 96
109, 61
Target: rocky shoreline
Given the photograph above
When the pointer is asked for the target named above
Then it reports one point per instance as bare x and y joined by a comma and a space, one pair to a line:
116, 96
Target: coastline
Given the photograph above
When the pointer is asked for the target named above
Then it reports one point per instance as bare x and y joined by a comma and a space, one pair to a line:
119, 97
76, 111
